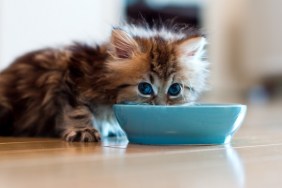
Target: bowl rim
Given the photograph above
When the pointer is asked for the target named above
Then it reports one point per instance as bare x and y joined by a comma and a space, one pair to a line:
192, 105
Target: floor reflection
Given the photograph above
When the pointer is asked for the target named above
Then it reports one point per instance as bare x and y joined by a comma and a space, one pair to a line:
115, 142
236, 165
218, 165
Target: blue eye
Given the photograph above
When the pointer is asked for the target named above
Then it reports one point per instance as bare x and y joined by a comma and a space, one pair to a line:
174, 89
145, 88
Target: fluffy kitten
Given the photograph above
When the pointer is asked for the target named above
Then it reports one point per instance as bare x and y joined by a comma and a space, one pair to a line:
62, 92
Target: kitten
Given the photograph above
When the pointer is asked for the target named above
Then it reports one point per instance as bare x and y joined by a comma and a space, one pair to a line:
61, 92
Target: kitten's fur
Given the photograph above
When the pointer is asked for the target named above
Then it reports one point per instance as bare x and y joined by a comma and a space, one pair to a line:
61, 92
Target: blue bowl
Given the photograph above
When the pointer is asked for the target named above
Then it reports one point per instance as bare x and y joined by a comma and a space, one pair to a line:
187, 124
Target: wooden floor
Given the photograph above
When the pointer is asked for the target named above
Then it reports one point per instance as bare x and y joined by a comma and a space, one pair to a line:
254, 159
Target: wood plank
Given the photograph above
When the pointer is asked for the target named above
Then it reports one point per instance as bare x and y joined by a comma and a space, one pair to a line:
254, 159
216, 168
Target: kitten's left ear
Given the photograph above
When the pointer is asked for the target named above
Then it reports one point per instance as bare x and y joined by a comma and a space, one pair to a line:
124, 46
193, 47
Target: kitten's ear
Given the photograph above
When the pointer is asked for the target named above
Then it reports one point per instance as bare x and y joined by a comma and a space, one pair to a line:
123, 44
193, 47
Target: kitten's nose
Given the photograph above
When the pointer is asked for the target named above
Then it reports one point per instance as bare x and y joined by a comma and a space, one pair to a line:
160, 102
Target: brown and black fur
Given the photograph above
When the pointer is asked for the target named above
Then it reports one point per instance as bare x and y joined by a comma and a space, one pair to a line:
58, 92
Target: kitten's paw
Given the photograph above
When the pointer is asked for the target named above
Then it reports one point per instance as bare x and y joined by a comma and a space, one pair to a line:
82, 135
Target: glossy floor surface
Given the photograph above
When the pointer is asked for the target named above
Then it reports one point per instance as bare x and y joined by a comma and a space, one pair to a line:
253, 159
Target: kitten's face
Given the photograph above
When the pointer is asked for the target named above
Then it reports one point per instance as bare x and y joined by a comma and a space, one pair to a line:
157, 70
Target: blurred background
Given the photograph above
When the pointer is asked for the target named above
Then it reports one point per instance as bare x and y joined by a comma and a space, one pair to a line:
245, 41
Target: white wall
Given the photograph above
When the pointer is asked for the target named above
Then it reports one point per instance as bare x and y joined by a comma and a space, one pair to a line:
221, 19
262, 39
245, 45
30, 24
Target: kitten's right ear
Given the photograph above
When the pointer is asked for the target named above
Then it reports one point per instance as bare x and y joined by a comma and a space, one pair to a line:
124, 46
192, 47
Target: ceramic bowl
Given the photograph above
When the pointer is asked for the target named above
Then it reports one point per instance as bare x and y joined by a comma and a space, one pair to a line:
185, 124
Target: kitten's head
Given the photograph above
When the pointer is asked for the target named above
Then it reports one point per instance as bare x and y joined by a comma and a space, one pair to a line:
157, 66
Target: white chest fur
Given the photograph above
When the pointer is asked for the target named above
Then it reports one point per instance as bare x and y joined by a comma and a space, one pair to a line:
105, 121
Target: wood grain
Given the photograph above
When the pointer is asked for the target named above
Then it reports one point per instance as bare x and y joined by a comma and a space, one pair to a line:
254, 159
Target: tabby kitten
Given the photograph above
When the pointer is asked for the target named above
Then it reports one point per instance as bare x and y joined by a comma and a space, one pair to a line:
69, 92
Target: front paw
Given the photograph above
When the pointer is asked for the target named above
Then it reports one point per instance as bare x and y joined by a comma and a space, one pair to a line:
81, 135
